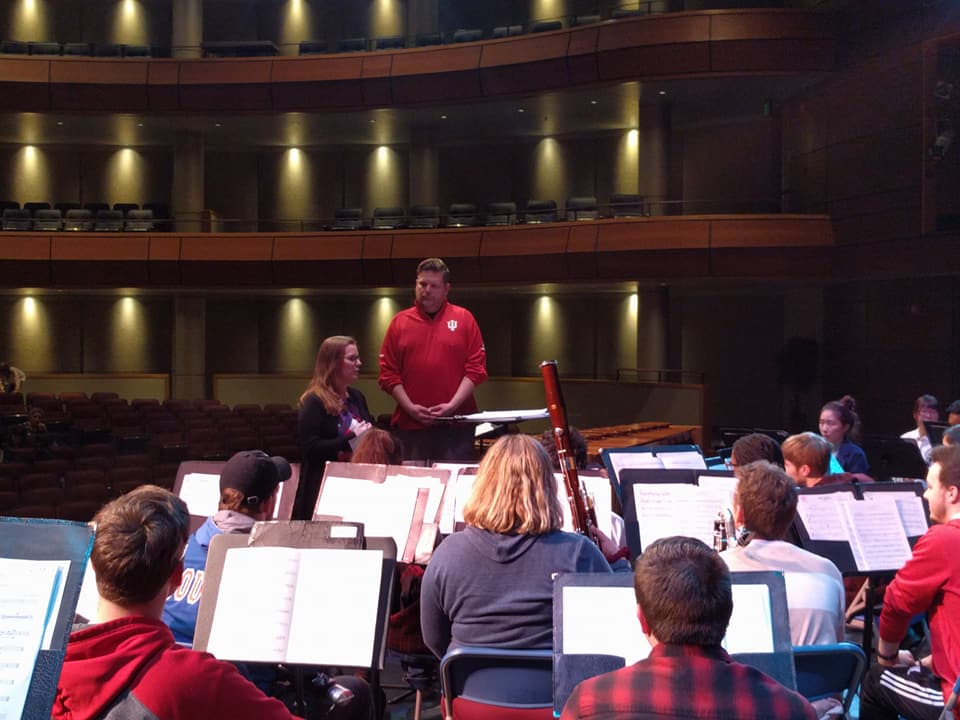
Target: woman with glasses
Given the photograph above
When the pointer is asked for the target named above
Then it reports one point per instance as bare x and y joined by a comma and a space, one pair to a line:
332, 416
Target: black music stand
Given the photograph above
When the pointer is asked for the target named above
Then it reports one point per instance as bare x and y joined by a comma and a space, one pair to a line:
609, 629
58, 540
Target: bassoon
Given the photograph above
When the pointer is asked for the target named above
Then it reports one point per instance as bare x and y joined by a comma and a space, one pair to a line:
581, 508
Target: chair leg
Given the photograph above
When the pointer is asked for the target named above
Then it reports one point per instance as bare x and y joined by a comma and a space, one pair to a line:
417, 704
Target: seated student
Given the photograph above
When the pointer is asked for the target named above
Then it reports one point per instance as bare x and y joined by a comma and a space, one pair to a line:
249, 484
753, 447
765, 503
492, 583
840, 425
953, 413
925, 409
378, 447
129, 665
951, 436
806, 459
898, 686
684, 602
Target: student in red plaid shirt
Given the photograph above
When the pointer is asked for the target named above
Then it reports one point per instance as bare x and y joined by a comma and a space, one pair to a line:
684, 601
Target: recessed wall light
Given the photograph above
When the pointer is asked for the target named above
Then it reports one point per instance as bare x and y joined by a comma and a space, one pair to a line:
520, 110
443, 117
663, 92
593, 102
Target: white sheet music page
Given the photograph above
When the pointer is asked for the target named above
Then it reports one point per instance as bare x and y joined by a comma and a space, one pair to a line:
822, 515
201, 493
877, 538
335, 617
599, 489
725, 485
751, 624
254, 605
680, 460
454, 500
909, 507
602, 621
665, 509
29, 592
435, 484
633, 460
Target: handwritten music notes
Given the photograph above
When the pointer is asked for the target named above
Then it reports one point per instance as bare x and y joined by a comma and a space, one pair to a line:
30, 596
657, 514
296, 603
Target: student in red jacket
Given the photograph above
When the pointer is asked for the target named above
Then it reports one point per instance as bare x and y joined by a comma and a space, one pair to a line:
929, 582
431, 359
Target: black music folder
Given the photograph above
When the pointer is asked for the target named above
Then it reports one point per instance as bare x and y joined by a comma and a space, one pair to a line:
41, 570
596, 630
319, 593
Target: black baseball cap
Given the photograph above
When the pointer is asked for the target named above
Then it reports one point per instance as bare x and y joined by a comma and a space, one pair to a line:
255, 474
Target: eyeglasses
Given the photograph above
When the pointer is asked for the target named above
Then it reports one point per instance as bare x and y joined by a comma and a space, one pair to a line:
352, 359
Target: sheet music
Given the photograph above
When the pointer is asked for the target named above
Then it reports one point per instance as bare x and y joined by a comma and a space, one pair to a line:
751, 624
335, 619
454, 500
309, 606
633, 460
680, 460
254, 605
909, 508
822, 516
602, 621
725, 484
201, 493
89, 596
876, 535
503, 416
386, 510
657, 516
599, 489
435, 484
29, 602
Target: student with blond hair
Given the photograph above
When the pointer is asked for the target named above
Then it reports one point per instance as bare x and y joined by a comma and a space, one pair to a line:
492, 584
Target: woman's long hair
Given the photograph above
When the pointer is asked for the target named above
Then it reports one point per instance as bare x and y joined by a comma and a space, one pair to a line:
329, 359
515, 491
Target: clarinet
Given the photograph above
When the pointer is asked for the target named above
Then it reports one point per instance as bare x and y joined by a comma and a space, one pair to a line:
581, 509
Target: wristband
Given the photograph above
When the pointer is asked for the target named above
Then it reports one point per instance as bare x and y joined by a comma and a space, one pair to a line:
622, 553
889, 658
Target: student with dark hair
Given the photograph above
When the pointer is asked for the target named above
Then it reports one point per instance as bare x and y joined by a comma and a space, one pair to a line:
249, 483
951, 436
840, 426
899, 686
953, 413
753, 447
128, 665
684, 603
765, 504
925, 409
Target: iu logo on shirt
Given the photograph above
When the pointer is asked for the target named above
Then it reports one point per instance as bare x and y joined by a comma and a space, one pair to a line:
451, 325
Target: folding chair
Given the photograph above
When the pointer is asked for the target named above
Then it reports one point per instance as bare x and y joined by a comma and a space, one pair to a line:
498, 684
825, 670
